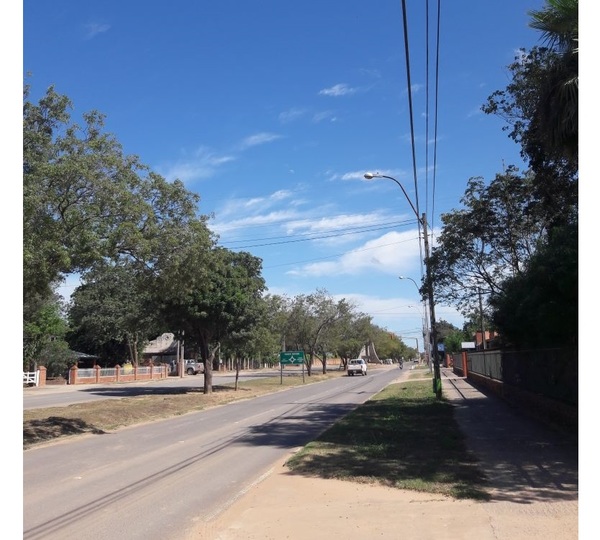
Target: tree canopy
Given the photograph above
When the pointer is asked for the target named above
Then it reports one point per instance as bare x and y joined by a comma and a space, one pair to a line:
514, 242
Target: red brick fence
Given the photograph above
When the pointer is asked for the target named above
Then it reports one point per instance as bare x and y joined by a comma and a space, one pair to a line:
100, 375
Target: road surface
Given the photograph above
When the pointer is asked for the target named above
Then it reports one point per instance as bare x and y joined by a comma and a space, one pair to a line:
159, 480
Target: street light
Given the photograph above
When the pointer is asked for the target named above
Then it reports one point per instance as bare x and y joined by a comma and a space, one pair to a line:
426, 338
437, 379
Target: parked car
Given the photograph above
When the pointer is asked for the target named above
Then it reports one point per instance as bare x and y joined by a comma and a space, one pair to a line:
192, 367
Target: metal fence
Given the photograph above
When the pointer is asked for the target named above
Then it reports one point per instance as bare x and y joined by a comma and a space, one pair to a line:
486, 363
552, 373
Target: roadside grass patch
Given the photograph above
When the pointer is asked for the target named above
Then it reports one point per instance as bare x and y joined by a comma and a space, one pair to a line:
404, 438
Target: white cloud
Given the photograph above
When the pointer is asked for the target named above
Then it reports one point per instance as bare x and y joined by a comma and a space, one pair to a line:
258, 139
291, 115
341, 89
324, 115
93, 29
271, 213
254, 205
202, 163
391, 253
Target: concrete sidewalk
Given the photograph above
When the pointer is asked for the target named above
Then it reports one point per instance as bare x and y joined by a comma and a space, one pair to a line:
532, 470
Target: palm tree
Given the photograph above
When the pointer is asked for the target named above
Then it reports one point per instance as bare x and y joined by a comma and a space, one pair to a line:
559, 24
559, 97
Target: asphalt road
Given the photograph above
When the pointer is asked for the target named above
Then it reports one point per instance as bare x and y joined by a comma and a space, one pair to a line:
158, 480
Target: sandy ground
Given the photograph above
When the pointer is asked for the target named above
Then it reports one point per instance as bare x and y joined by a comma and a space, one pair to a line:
534, 487
287, 506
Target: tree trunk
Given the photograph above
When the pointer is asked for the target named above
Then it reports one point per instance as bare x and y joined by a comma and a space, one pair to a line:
208, 369
237, 371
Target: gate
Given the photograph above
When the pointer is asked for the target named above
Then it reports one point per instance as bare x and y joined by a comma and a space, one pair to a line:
31, 377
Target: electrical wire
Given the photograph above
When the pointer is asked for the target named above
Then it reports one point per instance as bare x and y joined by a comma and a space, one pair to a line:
435, 135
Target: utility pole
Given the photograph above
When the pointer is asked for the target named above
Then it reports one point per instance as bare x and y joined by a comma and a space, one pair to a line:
481, 320
437, 378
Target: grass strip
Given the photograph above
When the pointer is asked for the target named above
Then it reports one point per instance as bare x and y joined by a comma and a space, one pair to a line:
403, 438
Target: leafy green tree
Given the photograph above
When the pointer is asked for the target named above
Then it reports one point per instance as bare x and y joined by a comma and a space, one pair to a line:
452, 337
277, 312
79, 192
488, 240
43, 335
351, 334
113, 314
540, 106
311, 325
453, 341
85, 202
209, 294
539, 308
444, 329
332, 318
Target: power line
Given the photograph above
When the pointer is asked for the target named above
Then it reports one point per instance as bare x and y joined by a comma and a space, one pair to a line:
435, 135
304, 237
340, 254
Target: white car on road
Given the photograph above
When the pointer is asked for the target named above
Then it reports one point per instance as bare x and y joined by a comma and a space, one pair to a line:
357, 366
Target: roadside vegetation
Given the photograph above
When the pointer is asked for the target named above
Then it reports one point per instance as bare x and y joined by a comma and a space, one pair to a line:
403, 437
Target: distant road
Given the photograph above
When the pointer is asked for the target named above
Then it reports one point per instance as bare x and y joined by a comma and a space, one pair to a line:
62, 395
156, 481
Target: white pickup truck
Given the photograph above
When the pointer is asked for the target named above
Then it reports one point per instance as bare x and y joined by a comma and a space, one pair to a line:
357, 366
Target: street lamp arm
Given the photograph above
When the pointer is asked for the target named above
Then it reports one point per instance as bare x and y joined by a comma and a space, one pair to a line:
411, 279
370, 176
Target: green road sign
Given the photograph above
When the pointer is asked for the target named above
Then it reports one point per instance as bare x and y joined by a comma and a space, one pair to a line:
291, 357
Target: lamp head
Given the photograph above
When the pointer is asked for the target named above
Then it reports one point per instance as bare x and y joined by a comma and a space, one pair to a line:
369, 176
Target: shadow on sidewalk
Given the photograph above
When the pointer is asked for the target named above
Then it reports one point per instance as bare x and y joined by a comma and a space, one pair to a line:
524, 461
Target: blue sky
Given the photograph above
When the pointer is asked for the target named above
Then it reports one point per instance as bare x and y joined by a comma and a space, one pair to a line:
273, 111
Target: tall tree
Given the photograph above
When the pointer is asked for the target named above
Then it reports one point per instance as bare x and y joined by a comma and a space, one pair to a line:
85, 202
538, 305
540, 106
558, 21
486, 241
210, 293
311, 324
352, 333
43, 334
539, 308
